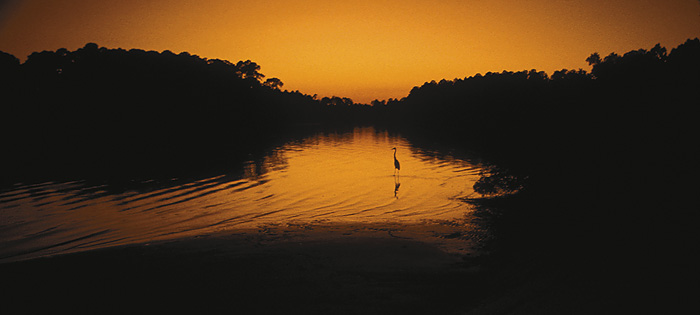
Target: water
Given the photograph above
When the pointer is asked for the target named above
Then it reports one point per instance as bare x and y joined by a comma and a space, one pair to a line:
330, 178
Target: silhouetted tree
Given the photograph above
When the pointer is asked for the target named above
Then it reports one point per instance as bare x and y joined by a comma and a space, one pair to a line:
593, 59
9, 72
378, 103
274, 83
8, 63
249, 69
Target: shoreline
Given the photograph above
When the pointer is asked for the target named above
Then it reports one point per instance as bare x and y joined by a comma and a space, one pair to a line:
307, 268
453, 236
332, 268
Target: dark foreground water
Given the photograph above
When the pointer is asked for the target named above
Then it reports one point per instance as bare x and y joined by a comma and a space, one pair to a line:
325, 178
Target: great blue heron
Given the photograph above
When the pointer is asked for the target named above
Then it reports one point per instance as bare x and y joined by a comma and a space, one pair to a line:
397, 166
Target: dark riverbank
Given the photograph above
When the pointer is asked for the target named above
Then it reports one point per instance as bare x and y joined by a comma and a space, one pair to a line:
341, 269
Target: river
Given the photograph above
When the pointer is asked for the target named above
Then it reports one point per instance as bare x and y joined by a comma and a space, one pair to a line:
329, 177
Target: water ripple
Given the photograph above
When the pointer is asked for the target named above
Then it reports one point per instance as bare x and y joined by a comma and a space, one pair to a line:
334, 177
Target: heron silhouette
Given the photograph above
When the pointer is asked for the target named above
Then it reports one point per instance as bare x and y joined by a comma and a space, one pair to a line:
397, 165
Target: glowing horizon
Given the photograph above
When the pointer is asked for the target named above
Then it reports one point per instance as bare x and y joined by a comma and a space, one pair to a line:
364, 50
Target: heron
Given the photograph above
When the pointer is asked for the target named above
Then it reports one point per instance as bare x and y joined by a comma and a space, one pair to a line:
397, 166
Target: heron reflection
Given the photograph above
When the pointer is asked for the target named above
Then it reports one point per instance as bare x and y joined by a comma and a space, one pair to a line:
397, 183
397, 167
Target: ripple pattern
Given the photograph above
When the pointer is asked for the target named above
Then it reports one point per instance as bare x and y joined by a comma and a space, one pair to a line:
329, 177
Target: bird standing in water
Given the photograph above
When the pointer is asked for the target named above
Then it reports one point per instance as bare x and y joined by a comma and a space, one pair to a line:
397, 166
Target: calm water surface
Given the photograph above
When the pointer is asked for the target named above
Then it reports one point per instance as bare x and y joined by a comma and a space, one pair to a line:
342, 177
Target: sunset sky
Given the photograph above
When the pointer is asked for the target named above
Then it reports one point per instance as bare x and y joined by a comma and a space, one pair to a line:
359, 49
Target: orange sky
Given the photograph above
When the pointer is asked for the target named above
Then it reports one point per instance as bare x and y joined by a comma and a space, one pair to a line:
363, 49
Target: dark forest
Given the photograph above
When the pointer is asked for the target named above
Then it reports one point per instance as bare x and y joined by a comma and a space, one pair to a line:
105, 111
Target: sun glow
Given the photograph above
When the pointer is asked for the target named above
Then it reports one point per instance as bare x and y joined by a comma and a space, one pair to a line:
359, 49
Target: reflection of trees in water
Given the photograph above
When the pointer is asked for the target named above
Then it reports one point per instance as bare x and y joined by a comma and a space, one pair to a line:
275, 160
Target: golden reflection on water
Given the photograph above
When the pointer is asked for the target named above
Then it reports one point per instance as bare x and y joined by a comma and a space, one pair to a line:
341, 177
329, 177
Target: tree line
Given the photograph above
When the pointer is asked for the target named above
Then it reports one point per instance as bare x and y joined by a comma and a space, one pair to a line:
128, 106
628, 110
143, 111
